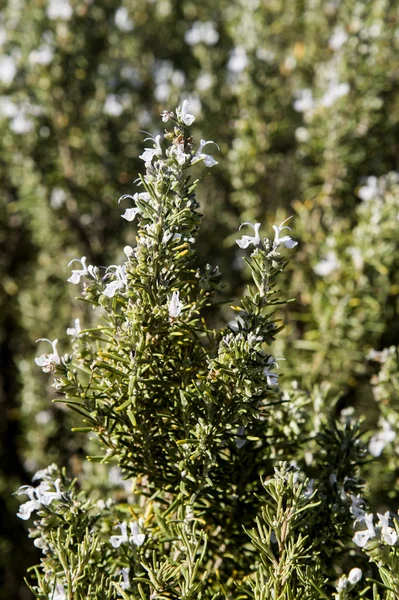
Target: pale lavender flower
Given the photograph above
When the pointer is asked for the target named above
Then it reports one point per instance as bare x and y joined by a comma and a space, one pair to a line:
388, 533
85, 270
357, 509
240, 441
286, 240
271, 378
119, 283
179, 154
355, 575
175, 306
166, 115
207, 158
48, 362
246, 240
149, 153
26, 509
59, 593
45, 473
40, 496
126, 581
183, 115
135, 537
380, 439
362, 537
129, 251
130, 214
309, 490
170, 235
74, 331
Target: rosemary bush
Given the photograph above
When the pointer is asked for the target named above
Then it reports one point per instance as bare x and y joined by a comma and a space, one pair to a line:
204, 477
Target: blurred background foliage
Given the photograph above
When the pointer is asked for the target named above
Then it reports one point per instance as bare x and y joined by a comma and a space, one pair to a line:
302, 99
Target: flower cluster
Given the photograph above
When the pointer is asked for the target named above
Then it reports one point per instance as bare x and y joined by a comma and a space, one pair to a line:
40, 496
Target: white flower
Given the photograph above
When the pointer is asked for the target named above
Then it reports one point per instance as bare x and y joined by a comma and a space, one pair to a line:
122, 20
7, 107
21, 123
45, 473
130, 214
129, 251
135, 537
334, 93
327, 265
271, 378
355, 575
59, 593
78, 273
238, 60
27, 508
204, 82
74, 331
178, 152
149, 153
40, 496
8, 69
58, 197
362, 537
208, 160
342, 583
370, 190
126, 581
201, 31
59, 9
357, 509
170, 235
286, 240
246, 240
388, 534
308, 492
48, 362
175, 306
304, 101
119, 283
113, 106
42, 56
45, 493
302, 134
183, 115
380, 439
338, 38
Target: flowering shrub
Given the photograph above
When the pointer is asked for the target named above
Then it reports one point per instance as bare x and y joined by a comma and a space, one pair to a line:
216, 498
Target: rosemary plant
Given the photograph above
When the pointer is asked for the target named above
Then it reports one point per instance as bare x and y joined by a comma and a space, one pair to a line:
195, 422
